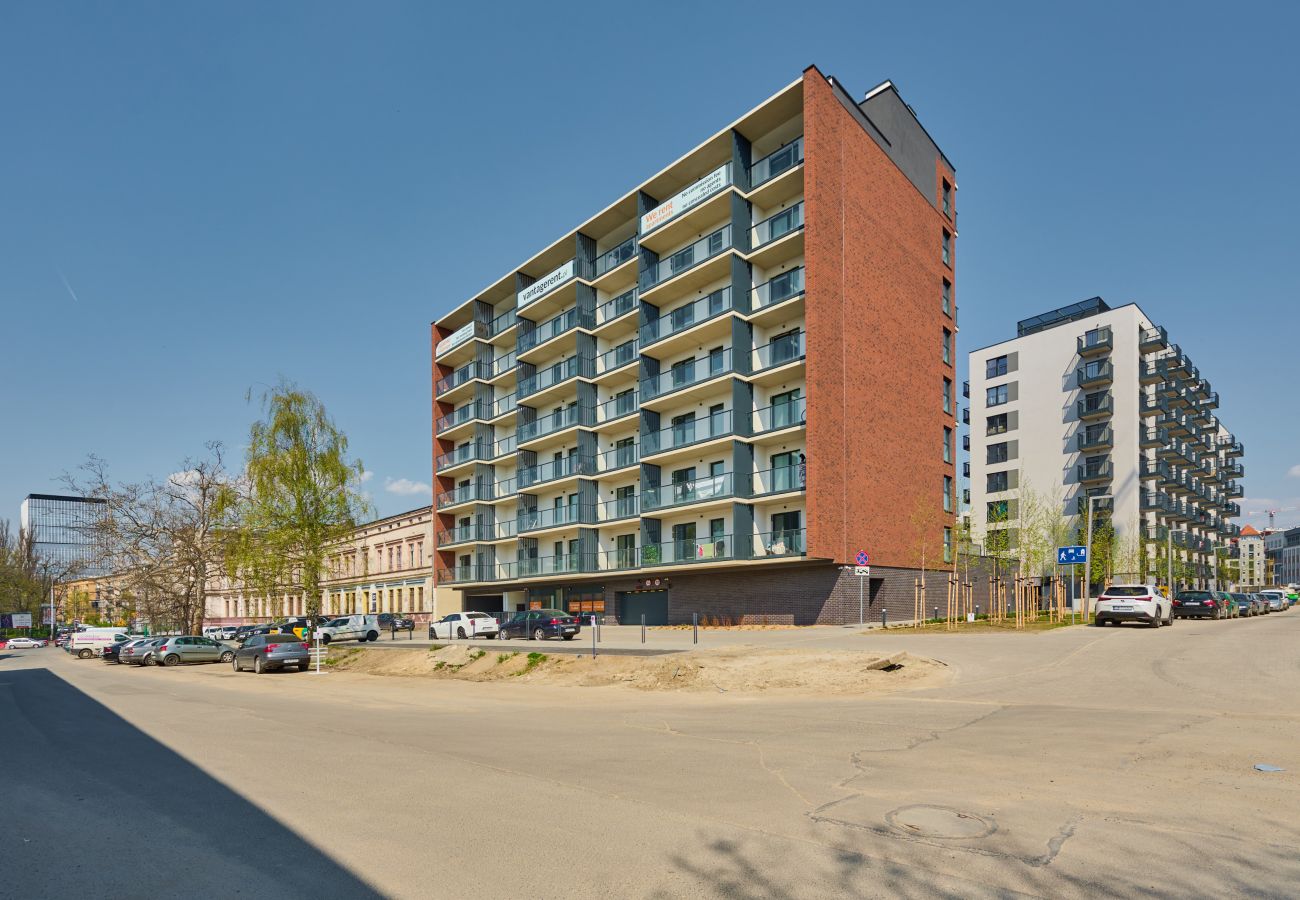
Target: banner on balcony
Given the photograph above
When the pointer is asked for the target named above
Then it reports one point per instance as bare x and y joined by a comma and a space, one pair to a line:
674, 206
544, 285
455, 339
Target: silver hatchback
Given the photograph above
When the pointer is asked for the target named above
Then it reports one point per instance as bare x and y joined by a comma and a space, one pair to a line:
191, 648
262, 652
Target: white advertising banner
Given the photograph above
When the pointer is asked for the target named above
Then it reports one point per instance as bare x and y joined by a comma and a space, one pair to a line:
674, 206
544, 285
22, 620
455, 339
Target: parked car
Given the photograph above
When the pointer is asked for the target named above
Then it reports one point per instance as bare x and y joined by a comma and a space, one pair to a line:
212, 631
228, 632
22, 643
247, 631
539, 624
350, 628
395, 621
140, 652
1276, 600
86, 644
464, 625
1234, 609
191, 648
263, 652
1134, 603
1245, 605
1197, 605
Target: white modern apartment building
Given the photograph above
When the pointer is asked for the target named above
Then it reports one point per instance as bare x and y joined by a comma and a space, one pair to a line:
1251, 560
1089, 401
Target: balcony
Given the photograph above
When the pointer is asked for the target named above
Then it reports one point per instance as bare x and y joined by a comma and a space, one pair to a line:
504, 488
1233, 447
477, 532
1094, 438
776, 290
1150, 372
614, 359
476, 572
617, 308
552, 328
965, 469
618, 458
1178, 510
502, 364
965, 415
686, 374
619, 508
502, 323
556, 516
466, 493
1093, 473
779, 480
1097, 373
1096, 406
965, 389
1153, 437
1233, 491
1152, 406
787, 221
1175, 423
613, 258
616, 408
463, 454
683, 317
701, 490
506, 404
505, 446
573, 367
1102, 507
1159, 470
783, 415
1158, 533
467, 413
688, 550
785, 349
1232, 470
776, 163
619, 559
1153, 339
1211, 400
569, 417
562, 564
687, 258
775, 544
1231, 509
1097, 342
1155, 502
463, 375
965, 442
556, 469
688, 432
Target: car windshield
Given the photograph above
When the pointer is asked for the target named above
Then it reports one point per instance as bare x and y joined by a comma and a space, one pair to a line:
1193, 595
1122, 591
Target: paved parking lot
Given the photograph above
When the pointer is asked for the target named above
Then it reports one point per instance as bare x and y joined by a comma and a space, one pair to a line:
1078, 762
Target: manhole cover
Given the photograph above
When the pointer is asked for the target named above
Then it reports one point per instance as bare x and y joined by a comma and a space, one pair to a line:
939, 822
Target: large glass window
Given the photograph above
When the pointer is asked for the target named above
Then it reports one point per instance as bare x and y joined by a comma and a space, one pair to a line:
996, 396
947, 444
947, 297
947, 493
998, 452
997, 481
947, 347
996, 424
995, 367
947, 395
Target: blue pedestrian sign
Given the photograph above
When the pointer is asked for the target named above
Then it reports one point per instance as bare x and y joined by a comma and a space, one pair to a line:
1070, 556
862, 559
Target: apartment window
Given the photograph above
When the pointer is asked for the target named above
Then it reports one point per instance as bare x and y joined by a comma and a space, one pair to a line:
947, 198
947, 395
947, 347
995, 367
998, 453
947, 248
947, 445
996, 481
995, 396
947, 493
998, 510
947, 545
947, 297
996, 424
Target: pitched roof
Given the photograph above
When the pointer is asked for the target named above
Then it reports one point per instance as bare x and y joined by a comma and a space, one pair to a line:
1248, 531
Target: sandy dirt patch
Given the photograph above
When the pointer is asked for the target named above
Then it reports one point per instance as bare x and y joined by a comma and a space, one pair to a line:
733, 669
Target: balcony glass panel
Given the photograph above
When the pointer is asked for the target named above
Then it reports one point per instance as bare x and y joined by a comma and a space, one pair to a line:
622, 558
557, 421
465, 453
504, 404
501, 323
791, 542
784, 349
782, 287
689, 256
462, 375
776, 162
782, 415
699, 490
613, 258
556, 468
506, 487
780, 479
688, 551
505, 446
549, 517
553, 328
503, 364
462, 415
619, 508
683, 317
620, 306
684, 375
704, 427
622, 355
464, 494
617, 407
555, 565
787, 221
1096, 340
573, 367
618, 458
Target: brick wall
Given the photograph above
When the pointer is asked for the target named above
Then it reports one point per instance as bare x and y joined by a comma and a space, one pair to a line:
874, 323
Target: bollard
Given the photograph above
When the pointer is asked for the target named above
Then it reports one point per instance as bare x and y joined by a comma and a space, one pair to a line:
977, 610
392, 631
936, 614
593, 637
643, 628
884, 618
695, 625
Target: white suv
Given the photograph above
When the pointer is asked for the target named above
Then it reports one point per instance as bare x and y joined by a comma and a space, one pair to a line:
350, 628
1134, 603
464, 625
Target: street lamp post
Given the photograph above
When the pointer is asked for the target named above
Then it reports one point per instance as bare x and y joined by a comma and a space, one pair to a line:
1087, 565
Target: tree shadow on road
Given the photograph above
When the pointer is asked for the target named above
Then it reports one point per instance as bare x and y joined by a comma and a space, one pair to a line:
96, 807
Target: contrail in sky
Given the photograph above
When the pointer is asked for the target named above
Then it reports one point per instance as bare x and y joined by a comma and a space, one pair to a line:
71, 292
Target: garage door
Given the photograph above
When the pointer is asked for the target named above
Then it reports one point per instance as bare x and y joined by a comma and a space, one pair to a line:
491, 603
633, 604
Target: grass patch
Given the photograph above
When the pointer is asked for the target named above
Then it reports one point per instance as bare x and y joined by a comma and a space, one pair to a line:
440, 664
534, 660
477, 655
333, 660
502, 657
436, 647
983, 624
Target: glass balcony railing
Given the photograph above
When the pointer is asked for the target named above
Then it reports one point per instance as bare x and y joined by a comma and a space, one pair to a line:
683, 317
688, 550
782, 415
1096, 342
503, 405
619, 508
687, 432
687, 373
613, 258
784, 349
790, 542
776, 163
1102, 471
553, 328
787, 221
618, 357
506, 487
780, 479
552, 517
460, 376
550, 423
505, 446
502, 322
565, 563
503, 364
617, 407
573, 367
465, 494
1095, 438
688, 257
618, 458
476, 532
697, 491
1095, 373
775, 290
556, 469
463, 454
619, 306
618, 559
466, 413
1155, 502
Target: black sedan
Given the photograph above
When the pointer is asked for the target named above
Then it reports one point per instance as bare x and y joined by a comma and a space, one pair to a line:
1199, 604
539, 624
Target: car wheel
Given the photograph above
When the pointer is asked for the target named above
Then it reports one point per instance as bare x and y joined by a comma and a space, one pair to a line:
228, 656
234, 663
1169, 619
1155, 620
85, 654
538, 634
372, 636
501, 635
149, 661
569, 637
460, 633
325, 639
257, 665
171, 659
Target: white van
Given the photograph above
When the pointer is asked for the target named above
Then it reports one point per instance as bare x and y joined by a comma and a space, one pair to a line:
350, 628
85, 644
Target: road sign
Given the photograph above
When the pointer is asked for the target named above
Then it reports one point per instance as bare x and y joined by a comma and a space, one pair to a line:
862, 571
1070, 556
862, 559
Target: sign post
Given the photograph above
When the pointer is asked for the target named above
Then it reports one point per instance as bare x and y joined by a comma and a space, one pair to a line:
862, 569
1072, 556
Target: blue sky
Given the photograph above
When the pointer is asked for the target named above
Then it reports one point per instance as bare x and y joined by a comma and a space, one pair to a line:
198, 199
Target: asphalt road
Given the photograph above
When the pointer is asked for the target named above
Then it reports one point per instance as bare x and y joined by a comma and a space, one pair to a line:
1075, 763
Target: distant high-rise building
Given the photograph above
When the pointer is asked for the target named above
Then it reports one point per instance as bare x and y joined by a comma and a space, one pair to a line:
64, 531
